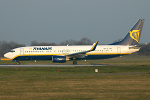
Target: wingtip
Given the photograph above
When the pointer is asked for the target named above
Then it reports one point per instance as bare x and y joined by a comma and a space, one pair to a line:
94, 46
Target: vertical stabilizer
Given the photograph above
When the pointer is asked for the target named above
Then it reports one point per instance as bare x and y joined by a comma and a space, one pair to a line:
133, 37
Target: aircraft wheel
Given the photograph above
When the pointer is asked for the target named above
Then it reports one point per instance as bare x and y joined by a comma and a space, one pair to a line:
74, 62
18, 63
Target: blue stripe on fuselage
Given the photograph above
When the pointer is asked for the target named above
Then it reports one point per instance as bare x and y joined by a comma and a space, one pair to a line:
49, 57
42, 57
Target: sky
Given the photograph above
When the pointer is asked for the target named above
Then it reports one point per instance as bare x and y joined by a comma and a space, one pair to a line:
54, 21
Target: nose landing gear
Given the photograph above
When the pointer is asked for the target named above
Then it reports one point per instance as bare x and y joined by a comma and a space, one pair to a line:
18, 63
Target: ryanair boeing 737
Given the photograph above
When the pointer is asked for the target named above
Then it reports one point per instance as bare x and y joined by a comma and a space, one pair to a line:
61, 54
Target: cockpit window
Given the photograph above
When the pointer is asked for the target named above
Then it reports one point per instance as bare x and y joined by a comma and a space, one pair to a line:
12, 51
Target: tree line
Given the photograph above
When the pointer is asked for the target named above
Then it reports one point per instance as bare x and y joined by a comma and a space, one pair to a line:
7, 46
83, 41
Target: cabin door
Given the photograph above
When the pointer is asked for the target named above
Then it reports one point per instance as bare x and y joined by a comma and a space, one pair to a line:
118, 50
21, 51
65, 51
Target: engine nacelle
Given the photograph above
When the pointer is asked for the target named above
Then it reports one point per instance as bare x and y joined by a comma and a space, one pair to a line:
59, 59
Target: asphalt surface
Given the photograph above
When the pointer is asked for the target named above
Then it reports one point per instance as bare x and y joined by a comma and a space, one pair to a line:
51, 65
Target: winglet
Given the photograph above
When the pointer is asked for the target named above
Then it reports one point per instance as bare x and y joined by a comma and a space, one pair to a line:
82, 54
94, 46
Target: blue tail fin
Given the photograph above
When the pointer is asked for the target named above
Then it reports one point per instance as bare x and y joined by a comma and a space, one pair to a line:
133, 37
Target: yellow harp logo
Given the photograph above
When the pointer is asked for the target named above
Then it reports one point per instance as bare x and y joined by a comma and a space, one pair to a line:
135, 35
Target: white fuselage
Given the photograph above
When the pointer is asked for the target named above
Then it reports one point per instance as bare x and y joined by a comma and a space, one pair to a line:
46, 52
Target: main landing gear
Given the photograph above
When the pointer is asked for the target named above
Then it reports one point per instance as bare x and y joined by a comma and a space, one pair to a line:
74, 62
18, 62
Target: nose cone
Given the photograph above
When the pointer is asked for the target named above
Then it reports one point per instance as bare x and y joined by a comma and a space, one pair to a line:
7, 55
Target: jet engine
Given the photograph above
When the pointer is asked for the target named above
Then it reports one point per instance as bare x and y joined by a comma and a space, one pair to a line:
59, 59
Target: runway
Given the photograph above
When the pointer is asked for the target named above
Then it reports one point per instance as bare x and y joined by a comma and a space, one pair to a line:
51, 65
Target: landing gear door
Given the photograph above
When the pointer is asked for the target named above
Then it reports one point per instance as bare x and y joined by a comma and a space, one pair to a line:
21, 51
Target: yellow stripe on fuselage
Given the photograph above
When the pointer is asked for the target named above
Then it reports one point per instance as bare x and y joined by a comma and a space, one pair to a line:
66, 54
107, 53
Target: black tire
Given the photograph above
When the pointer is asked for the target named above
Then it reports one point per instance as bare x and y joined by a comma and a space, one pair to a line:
74, 62
18, 63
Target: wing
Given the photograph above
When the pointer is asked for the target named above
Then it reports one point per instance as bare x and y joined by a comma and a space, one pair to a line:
82, 54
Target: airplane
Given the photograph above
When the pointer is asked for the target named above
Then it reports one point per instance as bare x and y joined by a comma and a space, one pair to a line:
61, 54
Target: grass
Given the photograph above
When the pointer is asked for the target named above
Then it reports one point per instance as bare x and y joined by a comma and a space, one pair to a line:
78, 83
114, 87
123, 61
